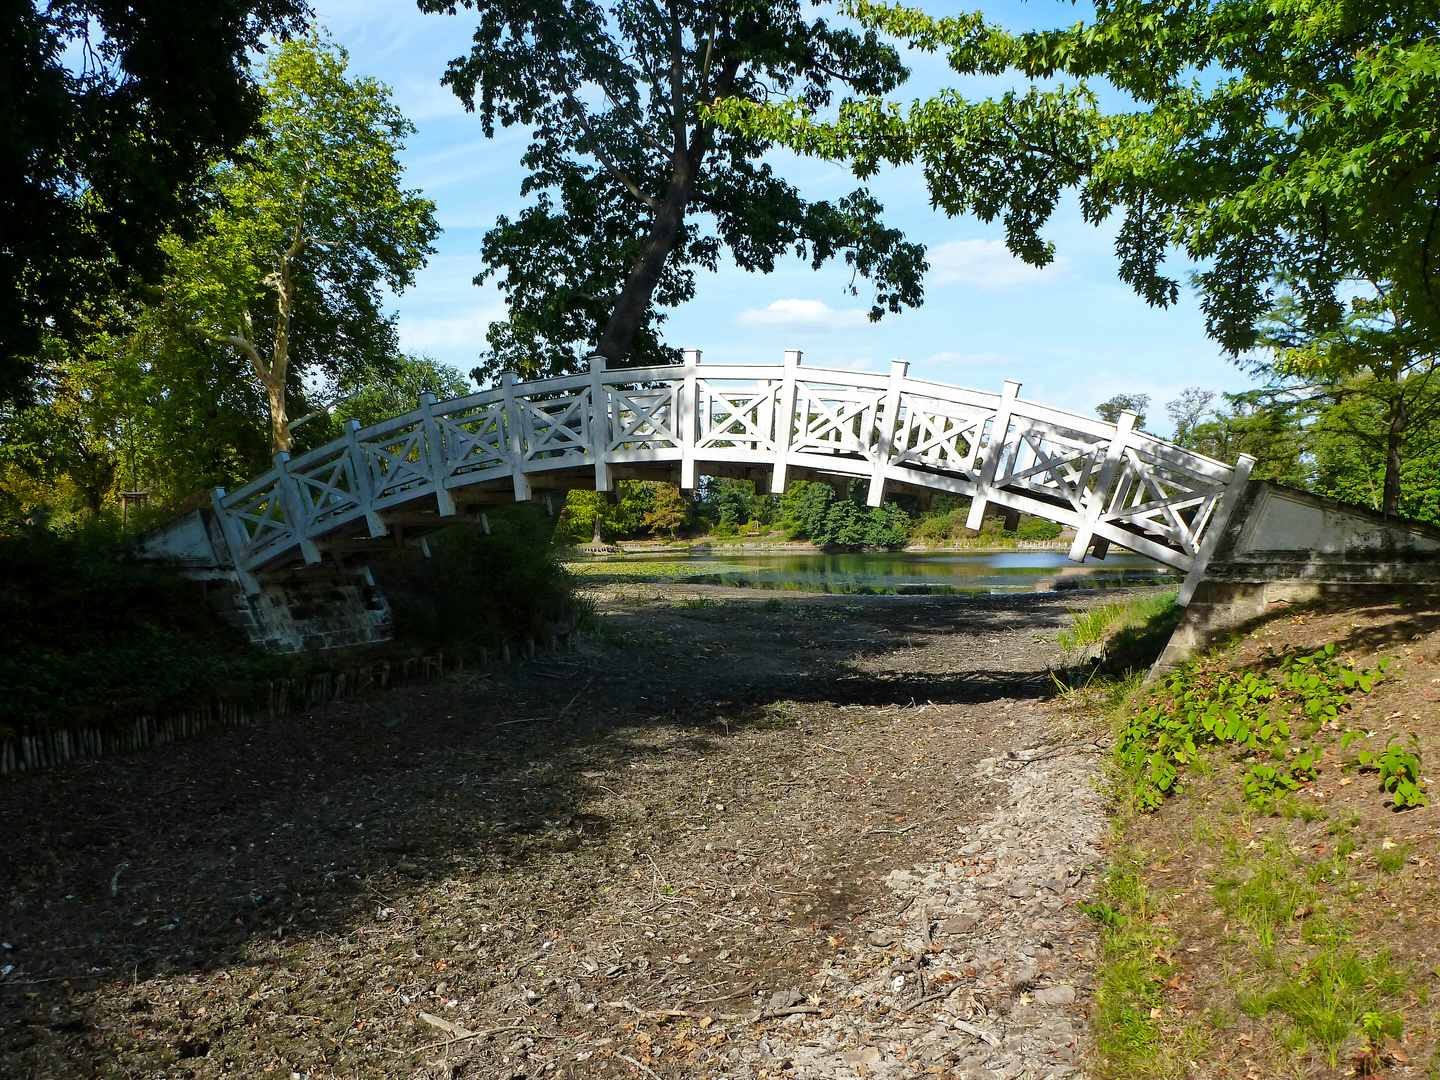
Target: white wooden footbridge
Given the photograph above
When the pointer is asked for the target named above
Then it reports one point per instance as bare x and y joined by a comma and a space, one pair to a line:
526, 441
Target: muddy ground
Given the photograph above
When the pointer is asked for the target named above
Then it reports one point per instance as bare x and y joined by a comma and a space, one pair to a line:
606, 862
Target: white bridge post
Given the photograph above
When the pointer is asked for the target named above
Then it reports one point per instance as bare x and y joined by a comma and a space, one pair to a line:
515, 424
234, 540
1215, 526
785, 421
599, 421
994, 450
364, 480
292, 502
435, 448
887, 423
686, 388
1099, 493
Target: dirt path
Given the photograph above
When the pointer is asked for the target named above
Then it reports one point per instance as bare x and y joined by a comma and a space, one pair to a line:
740, 836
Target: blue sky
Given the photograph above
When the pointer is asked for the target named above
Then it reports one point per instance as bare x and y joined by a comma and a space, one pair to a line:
1072, 334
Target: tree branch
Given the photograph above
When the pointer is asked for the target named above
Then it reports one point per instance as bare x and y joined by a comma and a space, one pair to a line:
677, 82
639, 127
598, 149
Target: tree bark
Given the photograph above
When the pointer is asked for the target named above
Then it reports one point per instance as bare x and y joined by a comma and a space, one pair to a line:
618, 337
634, 302
1394, 439
279, 418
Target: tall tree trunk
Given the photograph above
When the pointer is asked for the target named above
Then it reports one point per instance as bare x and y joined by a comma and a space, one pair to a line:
1394, 439
630, 309
686, 155
279, 417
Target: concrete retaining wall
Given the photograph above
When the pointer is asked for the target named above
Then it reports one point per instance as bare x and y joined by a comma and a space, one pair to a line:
1283, 547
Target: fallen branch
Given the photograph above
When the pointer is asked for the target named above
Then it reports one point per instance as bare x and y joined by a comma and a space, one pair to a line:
776, 1014
443, 1024
936, 996
638, 1065
430, 1019
661, 1014
897, 832
987, 1037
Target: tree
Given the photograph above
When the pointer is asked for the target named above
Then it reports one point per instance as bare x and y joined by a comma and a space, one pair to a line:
582, 519
313, 223
378, 392
622, 163
1360, 469
1374, 353
1110, 410
1271, 425
814, 510
114, 112
1265, 141
1186, 411
668, 511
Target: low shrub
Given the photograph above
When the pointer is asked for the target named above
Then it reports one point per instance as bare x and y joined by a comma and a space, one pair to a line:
479, 589
90, 633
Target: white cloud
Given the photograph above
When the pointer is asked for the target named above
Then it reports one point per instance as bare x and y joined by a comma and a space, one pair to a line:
954, 359
814, 316
441, 335
988, 264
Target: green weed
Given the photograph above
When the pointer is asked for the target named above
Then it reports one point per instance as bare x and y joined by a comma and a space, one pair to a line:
1131, 980
1131, 632
1392, 859
1343, 825
1399, 768
1333, 997
1205, 705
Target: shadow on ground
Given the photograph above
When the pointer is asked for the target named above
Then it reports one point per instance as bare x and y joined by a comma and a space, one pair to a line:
256, 853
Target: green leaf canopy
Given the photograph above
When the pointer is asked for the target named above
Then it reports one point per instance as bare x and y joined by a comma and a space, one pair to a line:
1267, 140
113, 111
622, 164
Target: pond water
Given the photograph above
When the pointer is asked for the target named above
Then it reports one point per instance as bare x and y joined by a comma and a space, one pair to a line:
899, 572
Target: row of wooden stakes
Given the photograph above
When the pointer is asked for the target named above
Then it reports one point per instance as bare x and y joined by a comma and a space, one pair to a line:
58, 746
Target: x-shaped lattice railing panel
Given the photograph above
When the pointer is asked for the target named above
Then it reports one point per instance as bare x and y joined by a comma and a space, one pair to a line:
1170, 502
328, 486
835, 420
730, 417
643, 419
557, 427
938, 437
1038, 462
475, 440
261, 517
399, 461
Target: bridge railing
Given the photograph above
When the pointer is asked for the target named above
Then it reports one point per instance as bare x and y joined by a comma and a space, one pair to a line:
1110, 482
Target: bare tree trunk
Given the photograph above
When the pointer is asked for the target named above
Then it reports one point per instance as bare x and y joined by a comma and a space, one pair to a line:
686, 155
1394, 439
279, 417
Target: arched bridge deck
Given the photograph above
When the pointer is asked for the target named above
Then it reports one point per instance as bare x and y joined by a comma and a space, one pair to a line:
1111, 483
